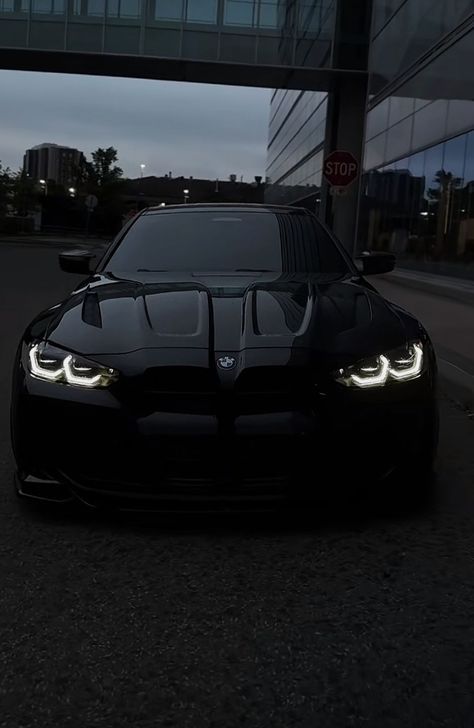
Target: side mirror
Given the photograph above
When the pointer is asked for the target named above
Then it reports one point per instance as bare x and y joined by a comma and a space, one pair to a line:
370, 264
76, 261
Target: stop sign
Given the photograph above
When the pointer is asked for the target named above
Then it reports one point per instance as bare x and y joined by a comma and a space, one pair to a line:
340, 168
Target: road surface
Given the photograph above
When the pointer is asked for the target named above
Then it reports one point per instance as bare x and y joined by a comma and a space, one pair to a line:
331, 620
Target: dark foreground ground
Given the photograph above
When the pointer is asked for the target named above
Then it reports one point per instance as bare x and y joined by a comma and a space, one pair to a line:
327, 620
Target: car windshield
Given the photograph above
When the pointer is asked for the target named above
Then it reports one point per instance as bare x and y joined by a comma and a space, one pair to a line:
228, 241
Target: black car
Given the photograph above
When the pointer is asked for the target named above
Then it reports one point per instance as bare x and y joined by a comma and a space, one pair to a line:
219, 355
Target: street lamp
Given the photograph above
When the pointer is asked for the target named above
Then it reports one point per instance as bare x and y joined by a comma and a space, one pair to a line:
72, 191
44, 185
142, 169
186, 196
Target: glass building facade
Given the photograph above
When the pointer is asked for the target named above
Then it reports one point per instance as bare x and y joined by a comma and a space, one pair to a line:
289, 33
418, 186
295, 146
418, 183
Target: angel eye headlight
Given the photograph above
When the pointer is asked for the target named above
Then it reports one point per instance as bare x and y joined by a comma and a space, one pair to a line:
400, 365
55, 365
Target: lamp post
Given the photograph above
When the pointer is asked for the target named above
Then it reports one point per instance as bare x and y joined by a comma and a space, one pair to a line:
72, 191
186, 196
44, 186
142, 169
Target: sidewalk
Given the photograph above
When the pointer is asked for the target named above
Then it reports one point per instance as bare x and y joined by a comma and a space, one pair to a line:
460, 289
445, 306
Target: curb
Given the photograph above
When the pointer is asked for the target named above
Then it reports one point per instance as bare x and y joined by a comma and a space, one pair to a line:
456, 294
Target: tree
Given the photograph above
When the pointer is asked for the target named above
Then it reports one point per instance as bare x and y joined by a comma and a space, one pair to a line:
6, 186
102, 171
103, 178
25, 193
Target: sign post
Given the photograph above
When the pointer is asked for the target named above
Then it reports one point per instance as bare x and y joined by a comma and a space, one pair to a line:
91, 202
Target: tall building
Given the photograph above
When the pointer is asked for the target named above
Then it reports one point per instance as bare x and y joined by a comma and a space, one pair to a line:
53, 163
418, 184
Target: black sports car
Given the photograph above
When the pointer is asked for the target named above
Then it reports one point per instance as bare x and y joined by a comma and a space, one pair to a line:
220, 354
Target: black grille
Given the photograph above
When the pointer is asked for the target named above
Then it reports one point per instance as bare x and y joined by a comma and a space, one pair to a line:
271, 389
196, 390
269, 380
181, 379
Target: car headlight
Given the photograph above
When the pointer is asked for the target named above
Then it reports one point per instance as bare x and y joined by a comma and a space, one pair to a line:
55, 365
401, 365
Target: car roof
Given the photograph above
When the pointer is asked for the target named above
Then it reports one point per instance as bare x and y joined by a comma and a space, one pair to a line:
224, 206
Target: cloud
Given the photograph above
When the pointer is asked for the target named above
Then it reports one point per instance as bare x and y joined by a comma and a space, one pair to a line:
189, 129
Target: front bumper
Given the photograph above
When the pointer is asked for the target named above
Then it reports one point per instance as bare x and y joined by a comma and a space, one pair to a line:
88, 446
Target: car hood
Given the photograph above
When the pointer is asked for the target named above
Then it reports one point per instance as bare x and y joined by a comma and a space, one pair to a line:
116, 314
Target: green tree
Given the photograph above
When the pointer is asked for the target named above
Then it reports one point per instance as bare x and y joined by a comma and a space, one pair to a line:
6, 187
102, 172
103, 177
25, 193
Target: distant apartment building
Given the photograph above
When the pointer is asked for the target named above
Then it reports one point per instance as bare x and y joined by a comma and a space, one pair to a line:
53, 163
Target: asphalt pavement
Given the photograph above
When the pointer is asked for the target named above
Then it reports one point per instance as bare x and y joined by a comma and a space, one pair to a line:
333, 619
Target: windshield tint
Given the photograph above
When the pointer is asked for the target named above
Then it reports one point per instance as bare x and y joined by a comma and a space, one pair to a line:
237, 241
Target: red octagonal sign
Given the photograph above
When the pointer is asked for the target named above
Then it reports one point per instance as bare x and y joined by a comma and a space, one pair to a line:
340, 168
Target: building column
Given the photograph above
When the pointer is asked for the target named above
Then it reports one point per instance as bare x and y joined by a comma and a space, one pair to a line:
347, 106
345, 128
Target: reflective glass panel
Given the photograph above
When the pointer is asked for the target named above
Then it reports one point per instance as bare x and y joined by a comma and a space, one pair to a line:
422, 207
469, 164
130, 8
455, 158
430, 124
169, 10
453, 193
416, 164
96, 8
383, 11
48, 7
240, 12
268, 17
7, 6
377, 119
375, 152
460, 116
198, 44
400, 108
469, 184
433, 169
399, 139
201, 11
